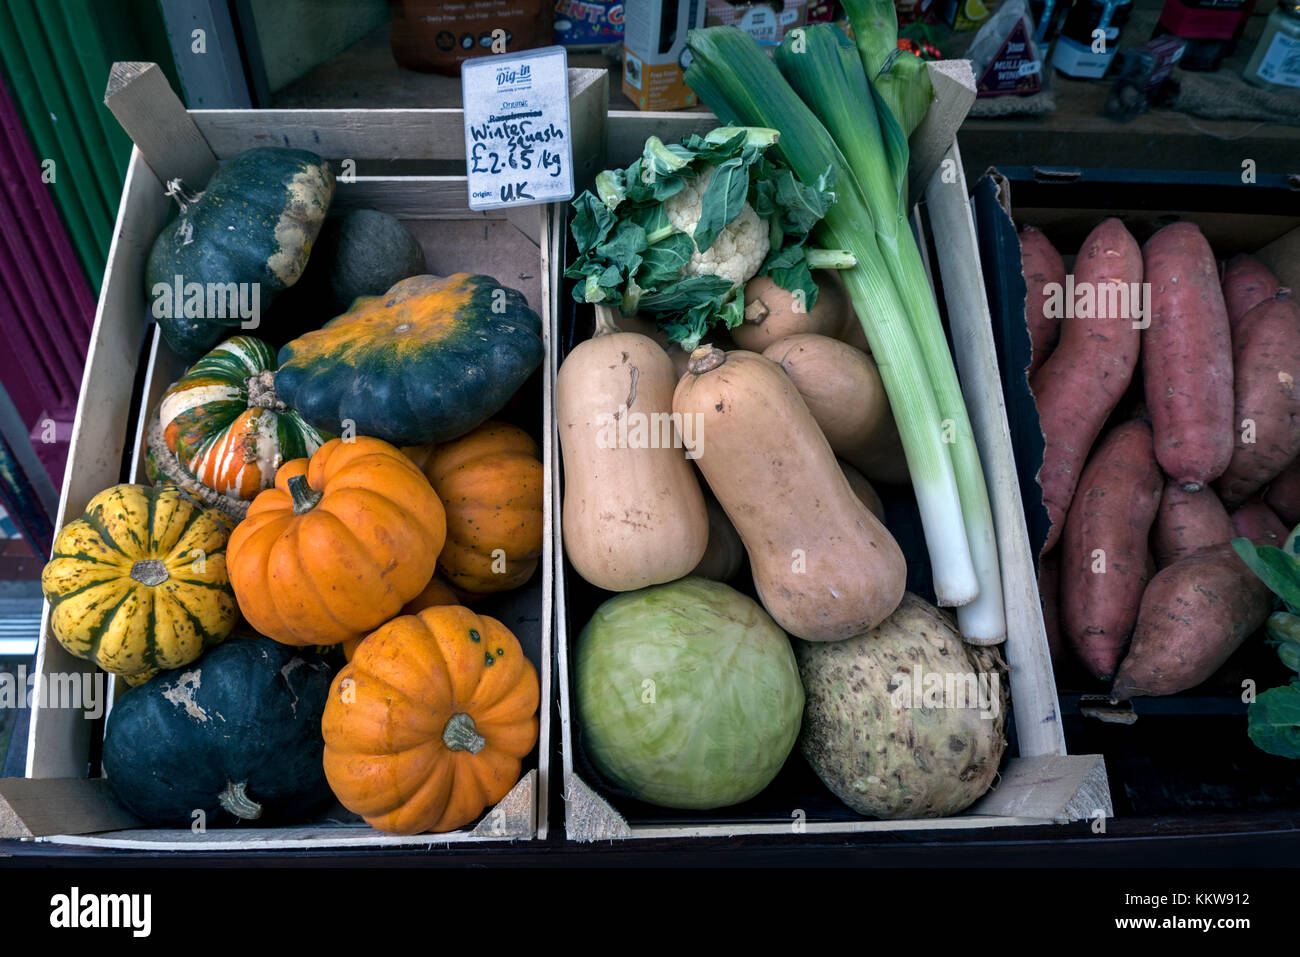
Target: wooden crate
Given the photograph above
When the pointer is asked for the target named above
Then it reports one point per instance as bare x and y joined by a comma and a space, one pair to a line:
515, 246
1041, 783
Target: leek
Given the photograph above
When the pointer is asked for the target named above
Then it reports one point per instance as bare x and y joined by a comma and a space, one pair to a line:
826, 71
743, 87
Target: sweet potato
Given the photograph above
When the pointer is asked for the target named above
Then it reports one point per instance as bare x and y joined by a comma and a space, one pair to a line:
1188, 522
1086, 375
1187, 357
1283, 495
1104, 547
1246, 283
1266, 416
1194, 615
1260, 524
1042, 266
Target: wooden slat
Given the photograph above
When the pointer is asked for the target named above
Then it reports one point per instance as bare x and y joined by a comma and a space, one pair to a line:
410, 197
1033, 686
1052, 787
1283, 257
372, 134
629, 129
954, 92
156, 120
57, 806
59, 739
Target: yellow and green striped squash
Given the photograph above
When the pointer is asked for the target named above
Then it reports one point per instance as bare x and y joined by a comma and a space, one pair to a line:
226, 426
139, 582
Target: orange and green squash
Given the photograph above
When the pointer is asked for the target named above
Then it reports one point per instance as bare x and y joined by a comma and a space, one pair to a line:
426, 362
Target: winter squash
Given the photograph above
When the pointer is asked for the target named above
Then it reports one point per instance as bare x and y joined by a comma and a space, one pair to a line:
338, 546
362, 252
234, 735
426, 362
427, 726
235, 245
490, 483
138, 583
224, 426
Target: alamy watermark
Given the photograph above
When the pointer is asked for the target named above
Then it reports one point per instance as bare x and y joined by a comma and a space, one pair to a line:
933, 690
1087, 300
76, 690
650, 430
214, 301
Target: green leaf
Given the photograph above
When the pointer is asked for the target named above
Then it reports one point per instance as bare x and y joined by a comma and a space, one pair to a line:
592, 222
722, 201
611, 187
788, 268
686, 293
1273, 721
623, 247
662, 263
1278, 570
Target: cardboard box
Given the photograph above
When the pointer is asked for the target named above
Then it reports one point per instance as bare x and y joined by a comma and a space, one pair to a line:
654, 45
767, 21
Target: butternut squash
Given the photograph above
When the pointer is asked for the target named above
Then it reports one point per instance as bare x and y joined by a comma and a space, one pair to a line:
725, 555
845, 394
824, 567
863, 490
772, 313
633, 513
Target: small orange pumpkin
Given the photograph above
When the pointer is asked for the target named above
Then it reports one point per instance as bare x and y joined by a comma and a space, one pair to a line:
338, 546
490, 483
429, 723
435, 593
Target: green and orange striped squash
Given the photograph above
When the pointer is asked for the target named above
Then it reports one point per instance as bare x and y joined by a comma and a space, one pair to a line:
138, 583
224, 425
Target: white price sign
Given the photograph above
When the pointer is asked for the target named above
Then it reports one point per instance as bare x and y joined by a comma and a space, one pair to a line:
518, 149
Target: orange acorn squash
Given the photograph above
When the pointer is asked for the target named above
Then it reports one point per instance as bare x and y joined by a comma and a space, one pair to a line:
429, 723
490, 483
338, 546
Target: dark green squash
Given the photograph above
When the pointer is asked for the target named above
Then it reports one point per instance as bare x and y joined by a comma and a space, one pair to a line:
361, 252
426, 362
253, 226
236, 735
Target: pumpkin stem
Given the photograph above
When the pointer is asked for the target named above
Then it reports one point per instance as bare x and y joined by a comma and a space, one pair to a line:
150, 572
184, 198
459, 734
305, 498
705, 359
261, 392
605, 322
235, 799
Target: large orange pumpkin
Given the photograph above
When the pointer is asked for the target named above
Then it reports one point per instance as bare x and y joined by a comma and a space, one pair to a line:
338, 546
490, 483
427, 726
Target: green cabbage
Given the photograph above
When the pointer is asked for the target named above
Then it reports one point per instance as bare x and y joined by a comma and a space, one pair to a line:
688, 694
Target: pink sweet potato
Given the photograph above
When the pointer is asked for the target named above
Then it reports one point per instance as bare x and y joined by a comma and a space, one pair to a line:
1283, 495
1104, 550
1266, 415
1194, 615
1187, 357
1086, 375
1246, 283
1260, 524
1187, 522
1042, 266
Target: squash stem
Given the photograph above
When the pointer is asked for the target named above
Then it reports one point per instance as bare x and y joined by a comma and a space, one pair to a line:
261, 392
605, 323
305, 498
235, 799
149, 572
184, 198
459, 734
705, 359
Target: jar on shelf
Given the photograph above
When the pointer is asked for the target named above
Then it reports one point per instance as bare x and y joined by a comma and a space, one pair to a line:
1276, 60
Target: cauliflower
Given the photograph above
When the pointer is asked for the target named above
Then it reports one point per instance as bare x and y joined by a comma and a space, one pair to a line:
739, 250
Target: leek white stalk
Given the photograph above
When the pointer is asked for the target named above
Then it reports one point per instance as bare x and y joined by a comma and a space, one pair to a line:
742, 86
